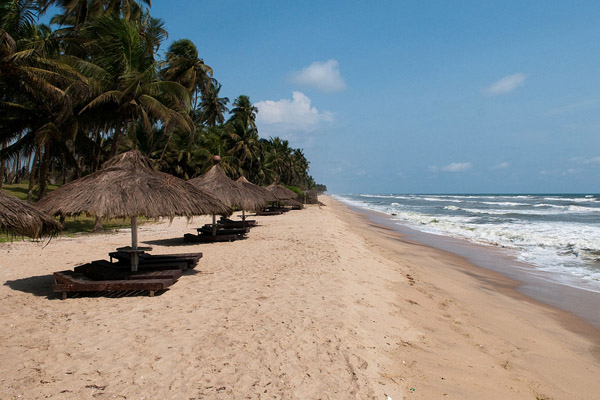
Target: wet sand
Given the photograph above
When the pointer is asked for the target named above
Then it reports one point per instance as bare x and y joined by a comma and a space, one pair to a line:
533, 283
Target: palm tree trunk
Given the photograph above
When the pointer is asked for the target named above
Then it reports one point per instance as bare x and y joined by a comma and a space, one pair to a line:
64, 171
17, 165
2, 166
165, 148
98, 225
116, 139
16, 169
44, 167
100, 143
34, 166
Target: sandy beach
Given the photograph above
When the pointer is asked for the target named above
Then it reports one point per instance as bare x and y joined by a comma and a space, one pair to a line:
314, 304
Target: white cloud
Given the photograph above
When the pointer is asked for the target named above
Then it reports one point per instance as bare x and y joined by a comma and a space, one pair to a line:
584, 105
296, 114
433, 168
506, 84
502, 165
324, 76
559, 172
584, 160
456, 167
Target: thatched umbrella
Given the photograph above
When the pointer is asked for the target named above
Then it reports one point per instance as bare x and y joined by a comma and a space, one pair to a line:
127, 187
260, 191
292, 203
281, 192
230, 192
20, 218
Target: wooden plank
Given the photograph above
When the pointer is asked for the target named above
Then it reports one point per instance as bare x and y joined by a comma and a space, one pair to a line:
150, 267
150, 261
104, 270
68, 281
233, 231
188, 237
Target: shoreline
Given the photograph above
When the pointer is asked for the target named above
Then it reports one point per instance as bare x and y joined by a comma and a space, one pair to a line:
317, 303
526, 280
508, 284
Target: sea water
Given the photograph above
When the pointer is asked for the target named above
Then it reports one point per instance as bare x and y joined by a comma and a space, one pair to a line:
556, 234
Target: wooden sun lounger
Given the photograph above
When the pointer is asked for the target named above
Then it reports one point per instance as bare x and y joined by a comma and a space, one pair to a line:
207, 229
228, 223
209, 238
70, 281
269, 212
103, 270
156, 261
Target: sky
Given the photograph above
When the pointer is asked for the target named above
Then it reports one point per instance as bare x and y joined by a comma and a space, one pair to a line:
414, 96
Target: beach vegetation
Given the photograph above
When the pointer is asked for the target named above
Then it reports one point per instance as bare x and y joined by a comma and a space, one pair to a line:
71, 225
92, 85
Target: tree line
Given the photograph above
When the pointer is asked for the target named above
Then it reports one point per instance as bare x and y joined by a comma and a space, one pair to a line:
75, 96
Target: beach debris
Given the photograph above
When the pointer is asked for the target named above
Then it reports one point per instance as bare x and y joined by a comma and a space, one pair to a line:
98, 387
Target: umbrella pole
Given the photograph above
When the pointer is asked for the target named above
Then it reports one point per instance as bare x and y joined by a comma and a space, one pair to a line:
134, 243
243, 215
214, 226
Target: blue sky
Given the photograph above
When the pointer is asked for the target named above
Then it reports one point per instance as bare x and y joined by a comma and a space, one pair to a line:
415, 96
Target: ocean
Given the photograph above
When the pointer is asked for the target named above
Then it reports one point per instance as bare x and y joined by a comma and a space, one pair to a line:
557, 234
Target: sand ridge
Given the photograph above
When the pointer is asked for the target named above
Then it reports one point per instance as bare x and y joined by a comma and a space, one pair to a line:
313, 305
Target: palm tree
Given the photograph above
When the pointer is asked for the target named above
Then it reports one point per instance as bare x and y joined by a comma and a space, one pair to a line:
70, 99
185, 67
76, 13
128, 77
36, 101
299, 166
128, 9
278, 158
244, 112
244, 147
212, 106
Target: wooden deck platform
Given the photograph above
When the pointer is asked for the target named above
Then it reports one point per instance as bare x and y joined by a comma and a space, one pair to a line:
269, 212
105, 270
71, 281
157, 261
208, 238
155, 273
221, 230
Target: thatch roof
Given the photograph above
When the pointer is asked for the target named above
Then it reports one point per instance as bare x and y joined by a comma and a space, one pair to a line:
128, 186
292, 203
20, 218
281, 192
230, 192
259, 190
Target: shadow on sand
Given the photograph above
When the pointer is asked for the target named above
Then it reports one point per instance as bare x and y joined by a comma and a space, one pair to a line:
40, 285
178, 241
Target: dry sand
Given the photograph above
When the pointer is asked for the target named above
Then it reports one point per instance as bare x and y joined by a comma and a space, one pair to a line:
315, 304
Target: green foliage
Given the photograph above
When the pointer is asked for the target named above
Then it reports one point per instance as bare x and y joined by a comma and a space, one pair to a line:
296, 190
72, 225
320, 188
19, 190
74, 97
82, 224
